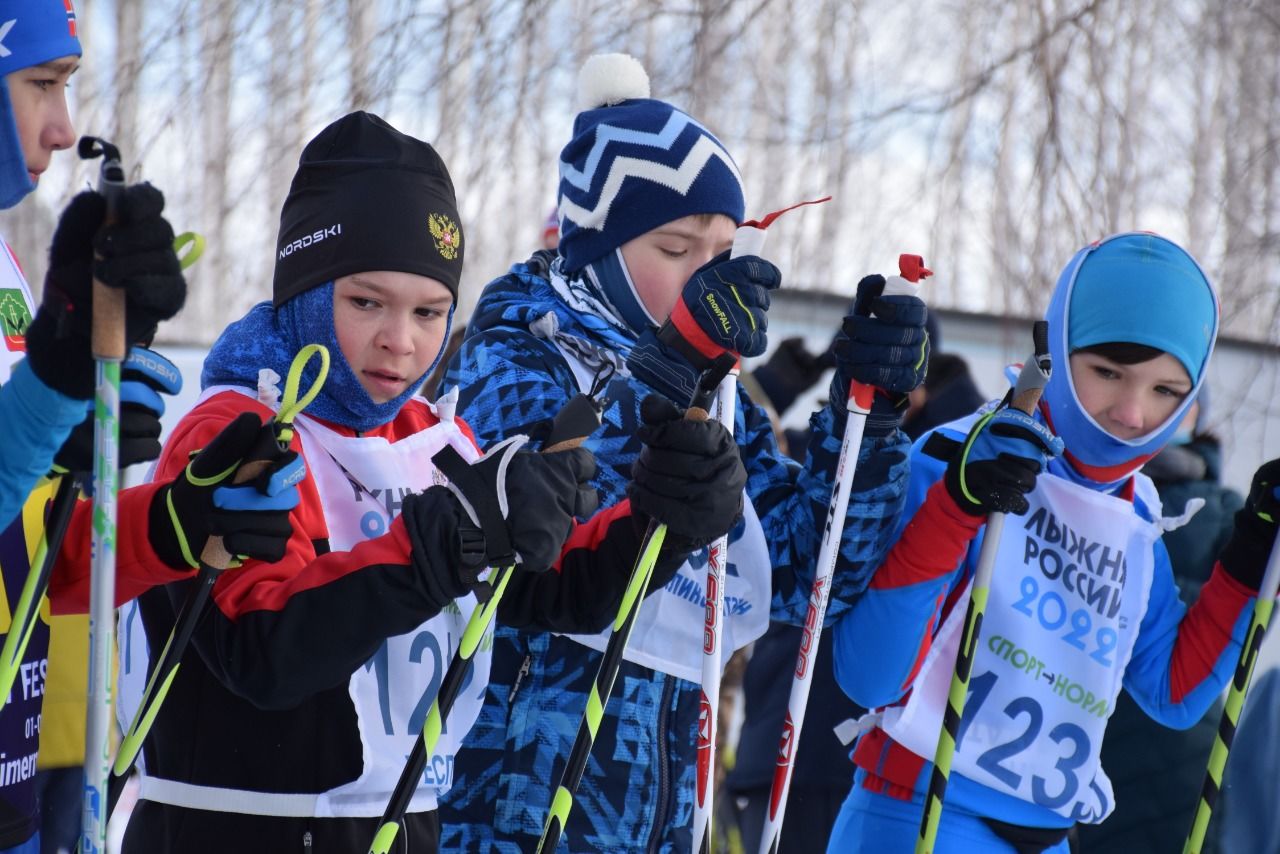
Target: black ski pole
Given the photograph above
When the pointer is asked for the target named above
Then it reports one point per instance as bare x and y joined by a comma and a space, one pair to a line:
637, 588
577, 420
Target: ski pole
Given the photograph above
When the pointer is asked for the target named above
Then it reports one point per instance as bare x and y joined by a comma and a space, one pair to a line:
747, 240
60, 510
214, 558
611, 661
857, 406
27, 611
1262, 609
107, 341
578, 419
1024, 396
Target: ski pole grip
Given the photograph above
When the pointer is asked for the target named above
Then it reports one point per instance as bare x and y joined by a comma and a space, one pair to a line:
106, 337
747, 240
1034, 375
577, 420
708, 385
266, 449
215, 554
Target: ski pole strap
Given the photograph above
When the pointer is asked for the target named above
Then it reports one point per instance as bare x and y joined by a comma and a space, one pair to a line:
290, 403
194, 244
278, 437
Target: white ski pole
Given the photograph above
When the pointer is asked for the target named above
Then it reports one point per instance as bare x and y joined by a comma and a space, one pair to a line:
109, 347
747, 240
858, 406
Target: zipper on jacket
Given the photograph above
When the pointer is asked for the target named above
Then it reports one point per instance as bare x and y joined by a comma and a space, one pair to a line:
662, 805
306, 842
520, 674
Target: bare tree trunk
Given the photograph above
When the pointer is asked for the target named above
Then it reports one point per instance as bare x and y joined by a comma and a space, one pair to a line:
361, 15
128, 67
217, 52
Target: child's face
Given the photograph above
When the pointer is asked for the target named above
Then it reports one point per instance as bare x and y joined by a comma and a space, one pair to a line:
661, 261
1129, 401
390, 327
39, 97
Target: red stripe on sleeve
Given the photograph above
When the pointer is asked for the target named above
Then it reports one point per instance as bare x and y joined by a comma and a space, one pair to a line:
591, 533
1206, 631
931, 545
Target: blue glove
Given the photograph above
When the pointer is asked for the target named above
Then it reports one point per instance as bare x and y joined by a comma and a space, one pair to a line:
144, 376
882, 342
721, 309
997, 466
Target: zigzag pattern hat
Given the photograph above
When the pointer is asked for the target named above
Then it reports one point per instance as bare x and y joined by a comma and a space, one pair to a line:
635, 163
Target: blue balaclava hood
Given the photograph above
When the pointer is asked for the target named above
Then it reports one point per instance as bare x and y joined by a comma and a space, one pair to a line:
1136, 288
365, 197
634, 163
31, 32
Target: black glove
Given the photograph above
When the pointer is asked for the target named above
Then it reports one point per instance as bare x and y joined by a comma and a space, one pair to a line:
252, 518
1246, 553
517, 506
137, 255
722, 308
689, 475
144, 376
998, 463
882, 342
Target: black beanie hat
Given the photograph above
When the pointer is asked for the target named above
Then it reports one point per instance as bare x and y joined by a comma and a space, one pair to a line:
367, 197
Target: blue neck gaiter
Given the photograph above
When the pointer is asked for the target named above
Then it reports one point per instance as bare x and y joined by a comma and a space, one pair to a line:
610, 274
270, 338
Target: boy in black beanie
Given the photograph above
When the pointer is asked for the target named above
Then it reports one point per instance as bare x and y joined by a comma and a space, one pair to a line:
307, 684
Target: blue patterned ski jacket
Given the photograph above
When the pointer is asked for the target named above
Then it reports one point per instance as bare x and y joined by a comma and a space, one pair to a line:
637, 791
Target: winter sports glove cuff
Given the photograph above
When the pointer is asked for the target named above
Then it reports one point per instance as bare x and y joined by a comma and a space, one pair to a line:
1245, 555
662, 368
524, 503
446, 549
997, 465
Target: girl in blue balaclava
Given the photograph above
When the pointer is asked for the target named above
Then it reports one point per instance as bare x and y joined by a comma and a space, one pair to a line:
1082, 599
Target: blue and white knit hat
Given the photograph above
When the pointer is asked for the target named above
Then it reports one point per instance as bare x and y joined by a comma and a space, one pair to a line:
31, 32
635, 163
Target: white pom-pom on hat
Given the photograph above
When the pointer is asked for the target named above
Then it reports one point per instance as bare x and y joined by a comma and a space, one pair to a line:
610, 78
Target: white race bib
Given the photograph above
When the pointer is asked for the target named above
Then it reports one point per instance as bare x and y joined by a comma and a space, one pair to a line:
1068, 593
362, 482
667, 634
